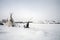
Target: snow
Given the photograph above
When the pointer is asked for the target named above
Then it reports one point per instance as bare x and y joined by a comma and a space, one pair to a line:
35, 32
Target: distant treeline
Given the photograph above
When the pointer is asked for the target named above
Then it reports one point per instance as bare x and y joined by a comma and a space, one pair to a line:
40, 22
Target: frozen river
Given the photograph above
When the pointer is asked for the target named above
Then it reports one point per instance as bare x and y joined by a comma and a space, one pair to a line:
35, 32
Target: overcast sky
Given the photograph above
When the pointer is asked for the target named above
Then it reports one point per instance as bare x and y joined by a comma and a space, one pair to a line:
38, 9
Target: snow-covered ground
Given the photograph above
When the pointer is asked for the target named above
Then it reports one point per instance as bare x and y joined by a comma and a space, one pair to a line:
35, 32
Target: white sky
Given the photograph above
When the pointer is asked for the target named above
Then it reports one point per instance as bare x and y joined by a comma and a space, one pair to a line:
34, 9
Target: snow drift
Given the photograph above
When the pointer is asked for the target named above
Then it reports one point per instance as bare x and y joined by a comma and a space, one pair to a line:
35, 32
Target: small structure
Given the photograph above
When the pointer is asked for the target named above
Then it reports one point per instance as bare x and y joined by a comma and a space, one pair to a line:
27, 25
